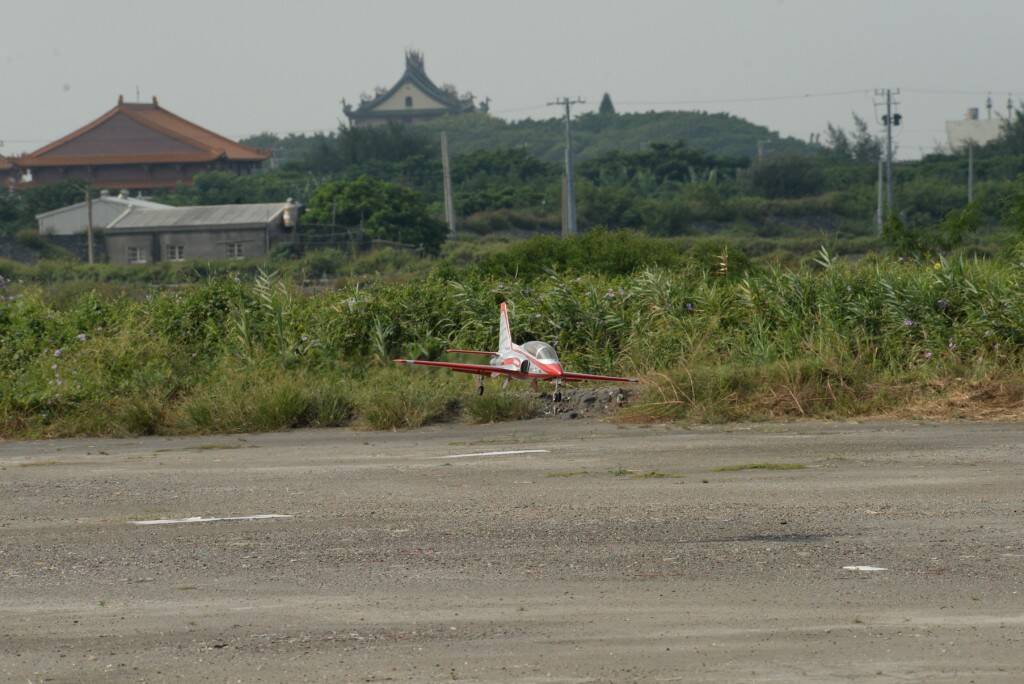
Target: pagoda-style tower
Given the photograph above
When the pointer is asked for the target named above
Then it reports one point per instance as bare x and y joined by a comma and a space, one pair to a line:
412, 99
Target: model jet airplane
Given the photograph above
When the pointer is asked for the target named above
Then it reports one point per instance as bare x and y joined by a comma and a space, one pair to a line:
531, 361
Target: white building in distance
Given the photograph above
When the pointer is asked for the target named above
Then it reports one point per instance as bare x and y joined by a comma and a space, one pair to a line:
74, 219
973, 130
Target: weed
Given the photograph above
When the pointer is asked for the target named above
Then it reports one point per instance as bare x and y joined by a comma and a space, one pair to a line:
405, 398
247, 399
501, 406
620, 472
759, 466
655, 475
573, 473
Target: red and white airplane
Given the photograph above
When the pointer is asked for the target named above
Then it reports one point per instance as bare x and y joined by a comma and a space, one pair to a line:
531, 361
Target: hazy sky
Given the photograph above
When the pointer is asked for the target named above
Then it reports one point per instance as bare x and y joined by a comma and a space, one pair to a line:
259, 65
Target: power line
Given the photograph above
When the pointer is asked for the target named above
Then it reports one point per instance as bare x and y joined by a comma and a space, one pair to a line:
938, 91
766, 98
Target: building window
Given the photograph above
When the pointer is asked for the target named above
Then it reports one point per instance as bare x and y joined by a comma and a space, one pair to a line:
408, 101
234, 250
175, 252
136, 255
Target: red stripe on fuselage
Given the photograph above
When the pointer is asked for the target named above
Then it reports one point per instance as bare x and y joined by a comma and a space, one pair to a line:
551, 370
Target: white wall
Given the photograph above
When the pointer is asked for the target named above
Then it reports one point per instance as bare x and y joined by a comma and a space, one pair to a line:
75, 219
420, 100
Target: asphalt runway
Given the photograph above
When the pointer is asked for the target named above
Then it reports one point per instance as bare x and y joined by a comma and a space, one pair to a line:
597, 553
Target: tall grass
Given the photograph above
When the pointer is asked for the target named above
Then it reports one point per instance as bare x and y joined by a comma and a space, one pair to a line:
714, 343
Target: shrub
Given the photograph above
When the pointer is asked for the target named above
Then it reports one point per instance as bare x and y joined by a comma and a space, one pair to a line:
789, 176
265, 398
407, 397
496, 407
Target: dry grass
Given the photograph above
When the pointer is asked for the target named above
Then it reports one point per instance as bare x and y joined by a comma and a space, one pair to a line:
759, 466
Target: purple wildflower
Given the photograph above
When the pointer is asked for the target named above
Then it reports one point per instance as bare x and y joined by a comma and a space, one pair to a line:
689, 306
951, 346
81, 337
907, 322
58, 352
927, 355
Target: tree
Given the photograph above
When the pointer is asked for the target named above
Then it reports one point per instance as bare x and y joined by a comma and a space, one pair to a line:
1011, 140
787, 177
606, 107
859, 145
385, 211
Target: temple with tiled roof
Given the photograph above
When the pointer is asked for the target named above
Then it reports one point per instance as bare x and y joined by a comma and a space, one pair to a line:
138, 146
414, 98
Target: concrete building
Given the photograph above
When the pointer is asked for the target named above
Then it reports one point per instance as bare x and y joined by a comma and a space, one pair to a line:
231, 231
74, 219
412, 99
138, 146
973, 130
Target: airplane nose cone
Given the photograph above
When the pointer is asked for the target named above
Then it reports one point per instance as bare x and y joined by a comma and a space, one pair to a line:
556, 370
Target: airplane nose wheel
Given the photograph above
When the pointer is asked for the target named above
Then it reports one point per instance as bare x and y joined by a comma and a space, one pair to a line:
479, 385
557, 396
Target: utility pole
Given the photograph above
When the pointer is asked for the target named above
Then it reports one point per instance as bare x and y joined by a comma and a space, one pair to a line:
889, 119
88, 226
879, 211
761, 145
449, 203
569, 219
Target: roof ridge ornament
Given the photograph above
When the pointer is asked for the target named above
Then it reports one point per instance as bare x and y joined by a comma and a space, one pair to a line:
414, 60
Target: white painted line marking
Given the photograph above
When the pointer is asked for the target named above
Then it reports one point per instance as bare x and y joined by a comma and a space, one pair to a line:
864, 568
197, 519
497, 453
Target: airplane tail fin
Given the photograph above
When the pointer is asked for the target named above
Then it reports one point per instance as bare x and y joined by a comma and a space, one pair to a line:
504, 332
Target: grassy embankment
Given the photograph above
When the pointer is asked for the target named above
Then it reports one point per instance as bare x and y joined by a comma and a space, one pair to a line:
725, 342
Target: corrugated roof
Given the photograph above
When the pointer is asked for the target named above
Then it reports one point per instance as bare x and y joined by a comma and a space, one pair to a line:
125, 202
196, 217
170, 139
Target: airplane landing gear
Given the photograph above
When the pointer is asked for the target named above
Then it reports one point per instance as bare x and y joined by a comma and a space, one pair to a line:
480, 385
557, 396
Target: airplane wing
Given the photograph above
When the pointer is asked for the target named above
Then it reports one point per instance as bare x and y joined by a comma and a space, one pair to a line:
475, 368
572, 377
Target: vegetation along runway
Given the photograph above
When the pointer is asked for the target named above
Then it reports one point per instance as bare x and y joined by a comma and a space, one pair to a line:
571, 551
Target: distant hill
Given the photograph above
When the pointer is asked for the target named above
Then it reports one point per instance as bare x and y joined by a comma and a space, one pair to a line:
722, 135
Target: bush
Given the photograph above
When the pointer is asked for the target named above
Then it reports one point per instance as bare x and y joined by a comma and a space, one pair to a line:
792, 176
496, 407
408, 397
262, 399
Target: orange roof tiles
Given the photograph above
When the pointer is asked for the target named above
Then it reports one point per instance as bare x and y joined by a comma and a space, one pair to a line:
139, 134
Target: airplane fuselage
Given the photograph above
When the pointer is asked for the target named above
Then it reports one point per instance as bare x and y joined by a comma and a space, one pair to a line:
519, 362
